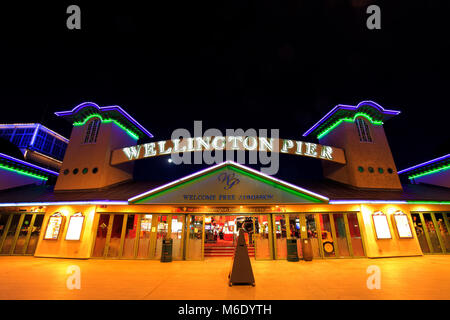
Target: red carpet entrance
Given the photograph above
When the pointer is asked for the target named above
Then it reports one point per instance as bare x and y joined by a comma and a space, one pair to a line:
221, 235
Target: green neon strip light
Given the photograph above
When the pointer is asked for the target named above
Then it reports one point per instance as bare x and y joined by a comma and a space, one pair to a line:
429, 172
186, 183
428, 202
130, 133
334, 125
276, 185
23, 172
271, 183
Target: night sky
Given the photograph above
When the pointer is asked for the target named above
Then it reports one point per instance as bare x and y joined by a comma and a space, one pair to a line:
233, 64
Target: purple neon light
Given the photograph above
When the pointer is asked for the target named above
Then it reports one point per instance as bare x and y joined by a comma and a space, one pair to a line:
200, 172
57, 203
351, 108
107, 108
367, 201
36, 126
2, 155
425, 163
34, 135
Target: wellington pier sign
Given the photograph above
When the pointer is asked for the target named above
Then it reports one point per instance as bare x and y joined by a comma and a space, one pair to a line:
227, 143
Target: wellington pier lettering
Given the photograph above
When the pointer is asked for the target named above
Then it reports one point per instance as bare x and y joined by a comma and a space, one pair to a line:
232, 143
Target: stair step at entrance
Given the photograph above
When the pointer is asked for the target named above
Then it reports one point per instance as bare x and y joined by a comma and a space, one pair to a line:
220, 251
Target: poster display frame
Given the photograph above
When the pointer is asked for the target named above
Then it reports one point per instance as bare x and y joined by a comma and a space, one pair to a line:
401, 213
76, 215
61, 226
381, 214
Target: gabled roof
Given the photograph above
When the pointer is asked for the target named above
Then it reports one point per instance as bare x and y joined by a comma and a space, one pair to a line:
86, 110
433, 166
369, 109
314, 197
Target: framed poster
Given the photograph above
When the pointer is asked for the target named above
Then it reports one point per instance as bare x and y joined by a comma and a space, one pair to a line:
381, 225
54, 225
75, 226
402, 224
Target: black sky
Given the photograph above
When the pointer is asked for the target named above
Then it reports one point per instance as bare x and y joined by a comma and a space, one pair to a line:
233, 64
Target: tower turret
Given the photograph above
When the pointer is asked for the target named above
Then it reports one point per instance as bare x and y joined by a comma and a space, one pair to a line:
359, 131
96, 132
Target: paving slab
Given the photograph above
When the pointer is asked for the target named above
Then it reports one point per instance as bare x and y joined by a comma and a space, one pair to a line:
408, 278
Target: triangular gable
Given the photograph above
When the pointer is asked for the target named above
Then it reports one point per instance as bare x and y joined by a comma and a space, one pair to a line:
228, 183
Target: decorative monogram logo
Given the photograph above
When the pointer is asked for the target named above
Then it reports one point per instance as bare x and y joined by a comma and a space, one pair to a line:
229, 179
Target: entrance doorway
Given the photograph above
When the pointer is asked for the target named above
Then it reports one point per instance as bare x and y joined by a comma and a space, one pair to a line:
19, 233
221, 235
332, 235
137, 236
216, 235
432, 229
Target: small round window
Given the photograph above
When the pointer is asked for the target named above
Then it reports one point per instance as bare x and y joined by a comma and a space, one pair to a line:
370, 169
95, 170
380, 170
75, 171
66, 172
390, 170
360, 169
85, 170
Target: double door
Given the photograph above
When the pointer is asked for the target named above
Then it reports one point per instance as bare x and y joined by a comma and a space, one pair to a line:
332, 235
432, 231
137, 236
260, 236
19, 233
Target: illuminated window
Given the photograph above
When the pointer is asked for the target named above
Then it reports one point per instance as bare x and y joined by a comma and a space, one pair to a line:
363, 130
92, 131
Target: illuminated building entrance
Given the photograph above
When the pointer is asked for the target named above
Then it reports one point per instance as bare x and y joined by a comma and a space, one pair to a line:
216, 235
221, 235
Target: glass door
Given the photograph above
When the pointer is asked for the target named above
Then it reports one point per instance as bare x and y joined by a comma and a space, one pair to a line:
311, 233
102, 233
19, 233
341, 234
356, 243
432, 230
443, 229
128, 249
145, 232
328, 243
262, 237
177, 236
22, 236
280, 235
162, 231
5, 220
196, 234
137, 236
295, 232
10, 233
114, 236
420, 232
